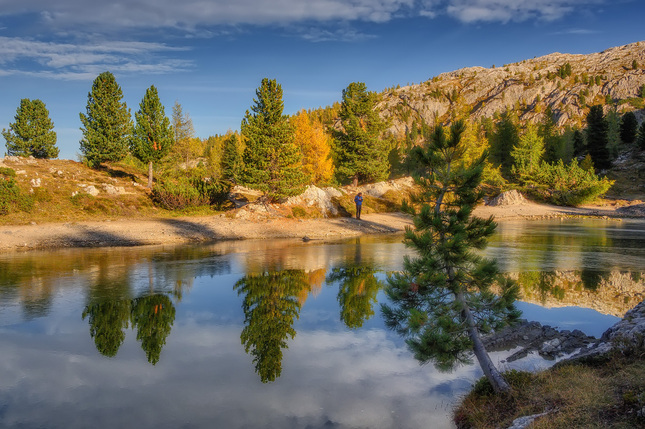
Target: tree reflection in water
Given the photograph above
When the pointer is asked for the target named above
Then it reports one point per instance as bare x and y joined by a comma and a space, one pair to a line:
357, 290
271, 305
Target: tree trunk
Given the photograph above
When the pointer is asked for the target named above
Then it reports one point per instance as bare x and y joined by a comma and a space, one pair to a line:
490, 371
150, 175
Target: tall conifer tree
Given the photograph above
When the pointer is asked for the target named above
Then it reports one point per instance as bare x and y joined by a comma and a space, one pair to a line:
33, 132
107, 125
361, 155
232, 163
442, 300
628, 128
272, 161
152, 136
504, 138
597, 137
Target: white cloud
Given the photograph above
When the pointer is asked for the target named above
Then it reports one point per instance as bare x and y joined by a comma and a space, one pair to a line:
82, 61
469, 11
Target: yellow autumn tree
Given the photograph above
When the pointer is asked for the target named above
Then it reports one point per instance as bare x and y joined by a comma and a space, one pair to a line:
315, 147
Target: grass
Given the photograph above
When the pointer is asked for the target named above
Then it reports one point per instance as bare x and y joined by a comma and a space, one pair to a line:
608, 394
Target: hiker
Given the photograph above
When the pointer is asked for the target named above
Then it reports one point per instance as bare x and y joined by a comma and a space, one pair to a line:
358, 199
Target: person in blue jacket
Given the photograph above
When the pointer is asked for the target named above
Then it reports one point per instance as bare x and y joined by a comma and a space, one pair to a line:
358, 199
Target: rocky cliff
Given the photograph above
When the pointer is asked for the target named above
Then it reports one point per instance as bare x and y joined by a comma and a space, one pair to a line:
566, 83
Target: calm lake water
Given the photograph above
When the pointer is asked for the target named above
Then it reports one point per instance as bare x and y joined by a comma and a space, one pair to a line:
269, 334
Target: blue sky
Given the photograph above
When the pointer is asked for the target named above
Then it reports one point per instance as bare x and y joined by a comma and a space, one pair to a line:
210, 55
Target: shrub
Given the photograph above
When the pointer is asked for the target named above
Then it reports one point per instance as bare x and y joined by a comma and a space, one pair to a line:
7, 172
184, 192
11, 198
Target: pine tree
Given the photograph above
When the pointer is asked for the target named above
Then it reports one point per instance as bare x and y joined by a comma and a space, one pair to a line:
33, 132
232, 163
107, 125
360, 155
579, 144
628, 128
272, 161
597, 139
442, 300
152, 136
640, 136
504, 138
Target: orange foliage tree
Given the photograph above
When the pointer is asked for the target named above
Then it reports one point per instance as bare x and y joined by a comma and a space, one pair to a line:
315, 147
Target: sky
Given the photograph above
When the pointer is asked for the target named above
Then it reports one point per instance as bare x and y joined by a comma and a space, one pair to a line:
211, 55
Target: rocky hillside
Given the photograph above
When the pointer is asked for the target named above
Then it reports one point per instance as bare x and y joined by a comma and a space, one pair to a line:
566, 83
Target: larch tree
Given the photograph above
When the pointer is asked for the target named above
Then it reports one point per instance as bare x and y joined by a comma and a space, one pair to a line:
315, 146
361, 155
186, 145
597, 137
33, 132
527, 155
442, 300
272, 161
152, 136
107, 124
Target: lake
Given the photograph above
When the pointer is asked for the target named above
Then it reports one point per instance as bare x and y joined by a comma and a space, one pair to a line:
270, 334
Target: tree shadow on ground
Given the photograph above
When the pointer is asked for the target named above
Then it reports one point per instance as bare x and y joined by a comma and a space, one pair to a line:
192, 230
92, 238
365, 226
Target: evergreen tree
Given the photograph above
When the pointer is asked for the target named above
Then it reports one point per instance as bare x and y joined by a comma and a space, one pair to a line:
527, 155
270, 306
272, 161
232, 163
553, 142
597, 139
640, 136
360, 155
107, 125
108, 320
33, 132
152, 136
442, 300
579, 144
153, 316
504, 138
613, 132
628, 128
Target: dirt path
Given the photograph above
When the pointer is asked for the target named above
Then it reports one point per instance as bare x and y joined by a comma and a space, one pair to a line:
126, 232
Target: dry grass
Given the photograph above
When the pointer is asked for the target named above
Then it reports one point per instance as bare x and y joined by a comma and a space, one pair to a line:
609, 394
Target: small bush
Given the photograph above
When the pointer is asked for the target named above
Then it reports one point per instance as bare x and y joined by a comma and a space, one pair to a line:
7, 172
298, 211
181, 193
12, 199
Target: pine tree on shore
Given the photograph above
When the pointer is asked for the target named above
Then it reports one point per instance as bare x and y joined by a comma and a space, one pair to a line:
152, 136
597, 137
272, 161
442, 301
107, 126
33, 132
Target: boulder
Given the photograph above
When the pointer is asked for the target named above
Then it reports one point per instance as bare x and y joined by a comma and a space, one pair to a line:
508, 198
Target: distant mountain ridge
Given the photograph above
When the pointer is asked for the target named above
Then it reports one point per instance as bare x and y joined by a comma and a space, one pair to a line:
566, 83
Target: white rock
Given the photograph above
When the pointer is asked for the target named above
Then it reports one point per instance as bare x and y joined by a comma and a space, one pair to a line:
35, 182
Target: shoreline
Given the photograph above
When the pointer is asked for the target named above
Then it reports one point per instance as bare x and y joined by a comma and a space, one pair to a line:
184, 230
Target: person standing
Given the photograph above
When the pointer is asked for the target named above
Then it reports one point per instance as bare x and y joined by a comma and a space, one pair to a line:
358, 199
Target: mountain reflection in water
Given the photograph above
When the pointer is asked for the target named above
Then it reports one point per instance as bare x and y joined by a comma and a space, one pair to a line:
265, 333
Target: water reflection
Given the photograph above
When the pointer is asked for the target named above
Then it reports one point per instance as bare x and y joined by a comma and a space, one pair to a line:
304, 313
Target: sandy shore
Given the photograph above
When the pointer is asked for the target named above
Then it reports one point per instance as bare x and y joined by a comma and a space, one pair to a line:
128, 232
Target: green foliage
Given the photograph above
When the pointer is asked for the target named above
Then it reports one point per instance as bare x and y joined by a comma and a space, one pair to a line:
107, 126
640, 136
272, 161
597, 137
357, 290
569, 185
232, 162
628, 128
442, 299
33, 132
504, 138
153, 317
360, 154
108, 320
192, 190
11, 197
7, 172
527, 155
152, 136
270, 306
565, 70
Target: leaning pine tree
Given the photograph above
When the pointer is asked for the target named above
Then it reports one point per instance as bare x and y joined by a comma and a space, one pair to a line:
443, 300
152, 136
